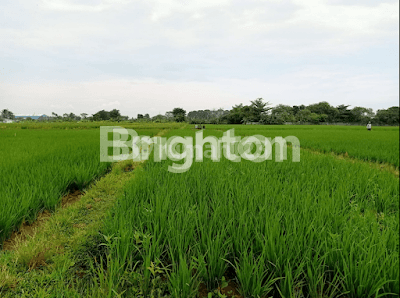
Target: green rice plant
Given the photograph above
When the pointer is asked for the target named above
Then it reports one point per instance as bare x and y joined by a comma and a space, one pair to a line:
252, 275
381, 144
320, 281
39, 166
214, 248
322, 226
91, 125
292, 284
183, 282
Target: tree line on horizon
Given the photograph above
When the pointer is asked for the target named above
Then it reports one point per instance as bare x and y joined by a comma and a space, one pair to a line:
257, 112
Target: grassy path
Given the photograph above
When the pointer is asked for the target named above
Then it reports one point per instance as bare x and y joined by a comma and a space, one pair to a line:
59, 245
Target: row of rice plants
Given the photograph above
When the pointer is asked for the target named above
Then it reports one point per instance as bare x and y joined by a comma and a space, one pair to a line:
318, 228
381, 144
39, 166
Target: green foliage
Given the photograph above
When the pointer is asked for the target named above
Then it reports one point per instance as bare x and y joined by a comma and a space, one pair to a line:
389, 116
182, 282
207, 116
258, 109
179, 114
6, 114
38, 167
285, 228
252, 113
381, 144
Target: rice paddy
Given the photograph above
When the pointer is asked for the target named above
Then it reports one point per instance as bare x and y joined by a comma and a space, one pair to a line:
381, 144
39, 166
321, 227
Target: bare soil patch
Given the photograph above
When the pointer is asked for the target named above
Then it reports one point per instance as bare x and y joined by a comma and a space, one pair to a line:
71, 198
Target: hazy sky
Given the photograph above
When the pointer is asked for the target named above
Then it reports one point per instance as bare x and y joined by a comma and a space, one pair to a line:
151, 56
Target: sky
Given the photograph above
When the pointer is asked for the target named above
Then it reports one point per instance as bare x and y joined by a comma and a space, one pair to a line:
82, 56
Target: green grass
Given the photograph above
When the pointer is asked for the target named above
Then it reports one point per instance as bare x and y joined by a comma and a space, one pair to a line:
69, 241
39, 166
381, 144
321, 227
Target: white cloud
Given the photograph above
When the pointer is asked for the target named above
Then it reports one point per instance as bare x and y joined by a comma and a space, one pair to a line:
86, 53
351, 20
77, 6
165, 8
223, 23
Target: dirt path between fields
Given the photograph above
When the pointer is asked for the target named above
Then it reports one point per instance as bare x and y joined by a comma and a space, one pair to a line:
27, 230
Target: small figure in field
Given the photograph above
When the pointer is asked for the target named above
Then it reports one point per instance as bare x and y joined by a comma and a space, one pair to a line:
369, 126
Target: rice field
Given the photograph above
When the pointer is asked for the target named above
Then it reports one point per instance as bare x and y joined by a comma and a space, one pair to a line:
321, 227
39, 166
381, 144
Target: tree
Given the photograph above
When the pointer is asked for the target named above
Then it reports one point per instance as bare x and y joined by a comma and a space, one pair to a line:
360, 114
303, 115
283, 113
389, 116
242, 114
324, 108
344, 114
272, 119
179, 114
56, 116
159, 118
169, 115
140, 116
101, 115
296, 109
6, 114
317, 118
323, 117
114, 114
236, 115
83, 115
206, 116
259, 108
